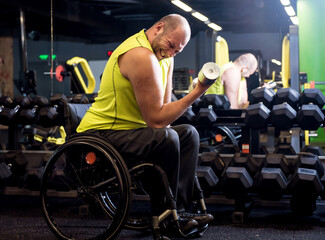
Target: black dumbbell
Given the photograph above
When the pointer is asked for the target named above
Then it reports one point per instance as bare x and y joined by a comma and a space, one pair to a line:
213, 160
285, 149
207, 178
216, 101
272, 180
28, 116
285, 106
9, 114
206, 117
305, 184
257, 116
317, 150
287, 95
186, 118
310, 116
238, 178
196, 106
34, 172
52, 115
283, 116
5, 101
264, 95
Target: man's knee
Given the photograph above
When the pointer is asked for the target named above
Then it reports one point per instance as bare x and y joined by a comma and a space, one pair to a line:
187, 132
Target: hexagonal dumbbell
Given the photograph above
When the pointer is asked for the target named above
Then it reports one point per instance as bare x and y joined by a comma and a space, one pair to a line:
284, 112
216, 101
305, 185
239, 176
257, 116
9, 114
206, 117
283, 116
49, 116
272, 180
29, 115
310, 116
186, 118
264, 95
288, 95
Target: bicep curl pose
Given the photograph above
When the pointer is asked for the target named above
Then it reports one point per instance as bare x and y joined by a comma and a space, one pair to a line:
133, 111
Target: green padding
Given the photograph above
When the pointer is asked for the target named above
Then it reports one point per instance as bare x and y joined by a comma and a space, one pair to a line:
311, 45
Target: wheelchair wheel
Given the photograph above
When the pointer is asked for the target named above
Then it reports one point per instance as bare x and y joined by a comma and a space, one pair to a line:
75, 178
140, 210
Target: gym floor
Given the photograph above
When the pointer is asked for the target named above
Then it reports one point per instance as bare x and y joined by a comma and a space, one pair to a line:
21, 219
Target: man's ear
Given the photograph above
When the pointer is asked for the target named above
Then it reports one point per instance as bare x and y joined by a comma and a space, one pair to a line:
244, 69
159, 28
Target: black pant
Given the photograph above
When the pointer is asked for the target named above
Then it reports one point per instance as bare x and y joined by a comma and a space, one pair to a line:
174, 149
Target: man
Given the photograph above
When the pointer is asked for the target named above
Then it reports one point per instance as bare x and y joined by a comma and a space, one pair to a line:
232, 81
133, 110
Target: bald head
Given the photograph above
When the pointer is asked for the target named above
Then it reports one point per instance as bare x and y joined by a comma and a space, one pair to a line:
174, 21
248, 60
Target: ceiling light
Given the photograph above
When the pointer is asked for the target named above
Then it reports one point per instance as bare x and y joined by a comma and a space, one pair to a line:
277, 62
290, 11
200, 16
215, 26
294, 20
285, 2
182, 5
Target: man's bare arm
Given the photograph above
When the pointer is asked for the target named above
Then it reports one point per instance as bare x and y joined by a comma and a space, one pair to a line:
231, 81
141, 68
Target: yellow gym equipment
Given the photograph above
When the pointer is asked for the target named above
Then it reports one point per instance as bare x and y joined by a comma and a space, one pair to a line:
74, 63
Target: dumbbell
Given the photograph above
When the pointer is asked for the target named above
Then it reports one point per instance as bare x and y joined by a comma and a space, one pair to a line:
50, 116
5, 101
206, 117
213, 160
207, 178
9, 114
305, 185
28, 116
284, 112
237, 180
196, 106
316, 150
34, 172
257, 114
285, 149
272, 180
310, 116
216, 101
263, 95
186, 118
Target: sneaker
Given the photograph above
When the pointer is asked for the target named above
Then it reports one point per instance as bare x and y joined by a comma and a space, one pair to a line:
186, 226
201, 218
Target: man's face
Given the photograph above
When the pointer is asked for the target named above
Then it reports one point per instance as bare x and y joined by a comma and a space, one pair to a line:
166, 45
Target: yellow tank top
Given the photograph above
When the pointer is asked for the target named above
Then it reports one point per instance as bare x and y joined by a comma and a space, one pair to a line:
218, 88
116, 107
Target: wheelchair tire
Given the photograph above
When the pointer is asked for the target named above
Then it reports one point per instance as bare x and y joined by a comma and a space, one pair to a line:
75, 178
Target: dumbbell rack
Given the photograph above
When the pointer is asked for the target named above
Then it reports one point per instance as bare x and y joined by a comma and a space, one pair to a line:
244, 205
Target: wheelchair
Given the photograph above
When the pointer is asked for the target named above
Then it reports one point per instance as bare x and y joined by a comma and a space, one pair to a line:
88, 190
